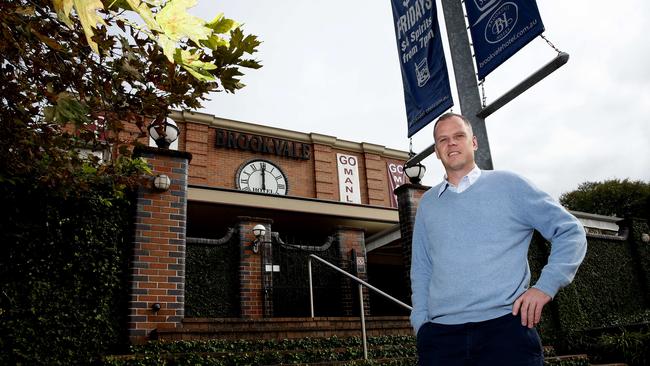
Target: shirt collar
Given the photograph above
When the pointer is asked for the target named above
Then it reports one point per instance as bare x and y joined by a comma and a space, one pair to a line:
464, 183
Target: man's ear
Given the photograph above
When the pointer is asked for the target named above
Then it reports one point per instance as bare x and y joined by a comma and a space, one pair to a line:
474, 143
436, 152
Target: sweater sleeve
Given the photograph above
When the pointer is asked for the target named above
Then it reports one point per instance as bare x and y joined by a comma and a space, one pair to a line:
564, 231
420, 271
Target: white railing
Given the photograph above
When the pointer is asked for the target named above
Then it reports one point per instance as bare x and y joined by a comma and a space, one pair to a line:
360, 283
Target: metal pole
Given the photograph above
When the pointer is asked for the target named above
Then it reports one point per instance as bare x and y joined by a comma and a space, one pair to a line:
363, 324
466, 84
360, 281
311, 288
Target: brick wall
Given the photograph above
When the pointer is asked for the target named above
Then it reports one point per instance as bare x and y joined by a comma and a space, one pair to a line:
316, 177
158, 263
325, 172
217, 166
255, 303
351, 240
376, 179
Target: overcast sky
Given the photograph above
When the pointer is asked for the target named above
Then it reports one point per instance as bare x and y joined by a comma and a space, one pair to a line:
331, 67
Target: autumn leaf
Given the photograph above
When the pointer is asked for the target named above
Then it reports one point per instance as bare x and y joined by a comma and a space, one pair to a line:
63, 9
191, 62
87, 12
177, 23
221, 24
142, 8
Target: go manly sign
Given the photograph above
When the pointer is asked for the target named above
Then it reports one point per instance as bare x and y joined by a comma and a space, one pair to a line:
500, 28
422, 61
262, 144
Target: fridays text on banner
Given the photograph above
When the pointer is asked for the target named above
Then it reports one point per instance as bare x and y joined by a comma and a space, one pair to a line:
424, 72
500, 28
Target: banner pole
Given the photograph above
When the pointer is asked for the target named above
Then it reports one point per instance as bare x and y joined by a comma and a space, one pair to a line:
466, 83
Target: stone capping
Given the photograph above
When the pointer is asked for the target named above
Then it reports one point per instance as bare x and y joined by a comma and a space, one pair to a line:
310, 138
259, 220
142, 150
406, 186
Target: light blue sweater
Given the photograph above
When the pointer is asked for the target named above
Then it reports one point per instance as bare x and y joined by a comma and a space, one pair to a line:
470, 250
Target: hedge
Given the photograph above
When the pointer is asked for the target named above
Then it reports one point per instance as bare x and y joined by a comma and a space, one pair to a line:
62, 274
608, 297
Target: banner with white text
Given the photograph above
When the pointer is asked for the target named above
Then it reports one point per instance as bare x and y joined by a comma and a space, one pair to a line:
422, 60
396, 178
499, 29
349, 187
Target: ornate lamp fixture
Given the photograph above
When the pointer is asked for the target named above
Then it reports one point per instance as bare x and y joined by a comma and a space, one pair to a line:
258, 230
415, 172
163, 133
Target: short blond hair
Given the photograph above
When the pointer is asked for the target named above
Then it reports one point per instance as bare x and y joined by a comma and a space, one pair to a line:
450, 115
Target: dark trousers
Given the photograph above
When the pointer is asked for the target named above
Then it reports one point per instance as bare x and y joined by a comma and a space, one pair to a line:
497, 342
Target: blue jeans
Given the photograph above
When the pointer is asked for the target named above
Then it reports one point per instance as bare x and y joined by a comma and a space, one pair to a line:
497, 342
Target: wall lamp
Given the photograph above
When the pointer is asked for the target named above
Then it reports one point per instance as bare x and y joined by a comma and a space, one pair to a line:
163, 133
258, 231
161, 182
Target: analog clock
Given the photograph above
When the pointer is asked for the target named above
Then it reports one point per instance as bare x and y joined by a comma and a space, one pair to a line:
261, 176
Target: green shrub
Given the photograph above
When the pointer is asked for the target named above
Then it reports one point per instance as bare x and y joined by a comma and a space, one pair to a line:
62, 272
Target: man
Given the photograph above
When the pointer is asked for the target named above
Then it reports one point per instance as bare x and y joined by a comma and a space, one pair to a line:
472, 304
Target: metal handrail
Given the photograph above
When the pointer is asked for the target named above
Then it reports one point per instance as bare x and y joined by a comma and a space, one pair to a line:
361, 283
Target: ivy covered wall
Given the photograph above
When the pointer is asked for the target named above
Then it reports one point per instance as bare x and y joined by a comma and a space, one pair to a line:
609, 290
62, 274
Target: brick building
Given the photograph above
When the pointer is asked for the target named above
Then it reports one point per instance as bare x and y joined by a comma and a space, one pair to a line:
313, 193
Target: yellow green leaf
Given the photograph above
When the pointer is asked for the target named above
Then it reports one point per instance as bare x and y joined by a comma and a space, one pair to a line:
168, 46
63, 8
215, 41
89, 18
177, 23
200, 74
145, 13
222, 25
193, 60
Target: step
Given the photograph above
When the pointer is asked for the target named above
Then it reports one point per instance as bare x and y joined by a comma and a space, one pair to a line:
383, 354
577, 360
284, 328
397, 361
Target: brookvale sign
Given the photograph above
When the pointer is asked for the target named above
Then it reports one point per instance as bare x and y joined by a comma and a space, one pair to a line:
262, 144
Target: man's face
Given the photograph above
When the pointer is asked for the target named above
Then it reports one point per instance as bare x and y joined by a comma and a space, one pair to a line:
455, 145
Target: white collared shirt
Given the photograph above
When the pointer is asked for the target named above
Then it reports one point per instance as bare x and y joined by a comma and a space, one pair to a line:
464, 183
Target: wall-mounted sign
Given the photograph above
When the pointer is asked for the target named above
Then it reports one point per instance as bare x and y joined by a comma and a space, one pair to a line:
395, 179
262, 144
499, 29
349, 187
427, 93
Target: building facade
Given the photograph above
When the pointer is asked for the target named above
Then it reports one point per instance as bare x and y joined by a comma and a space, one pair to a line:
195, 251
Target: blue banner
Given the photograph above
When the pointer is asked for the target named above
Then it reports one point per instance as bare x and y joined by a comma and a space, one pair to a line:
424, 72
499, 29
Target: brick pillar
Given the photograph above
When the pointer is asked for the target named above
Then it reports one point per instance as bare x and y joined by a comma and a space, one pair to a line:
352, 240
157, 268
408, 197
325, 168
253, 280
376, 178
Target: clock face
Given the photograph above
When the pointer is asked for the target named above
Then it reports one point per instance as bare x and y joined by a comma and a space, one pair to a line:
261, 176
